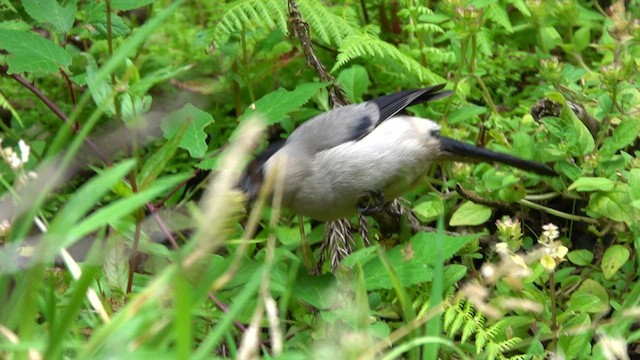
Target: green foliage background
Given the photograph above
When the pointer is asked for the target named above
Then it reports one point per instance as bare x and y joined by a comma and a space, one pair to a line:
126, 104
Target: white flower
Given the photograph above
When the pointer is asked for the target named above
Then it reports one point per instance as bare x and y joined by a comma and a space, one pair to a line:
24, 151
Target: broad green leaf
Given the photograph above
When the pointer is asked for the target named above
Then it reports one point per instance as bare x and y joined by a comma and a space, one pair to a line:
452, 274
194, 139
594, 288
575, 337
122, 207
155, 164
634, 184
623, 135
133, 107
275, 106
320, 292
584, 140
354, 81
592, 184
413, 261
50, 12
581, 257
361, 256
116, 267
613, 259
429, 209
582, 302
614, 204
86, 198
582, 38
97, 17
290, 235
101, 91
550, 37
464, 113
29, 52
470, 213
512, 193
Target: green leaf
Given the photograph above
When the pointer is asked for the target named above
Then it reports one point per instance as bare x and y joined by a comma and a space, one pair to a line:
129, 4
275, 106
290, 235
581, 257
50, 12
159, 159
550, 37
633, 179
577, 345
122, 208
582, 302
354, 81
582, 38
87, 196
613, 204
318, 291
464, 113
594, 288
497, 13
430, 209
97, 17
29, 52
613, 259
569, 129
623, 135
194, 139
592, 184
413, 261
470, 213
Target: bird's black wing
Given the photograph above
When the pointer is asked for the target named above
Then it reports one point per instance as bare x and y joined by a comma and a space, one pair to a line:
353, 122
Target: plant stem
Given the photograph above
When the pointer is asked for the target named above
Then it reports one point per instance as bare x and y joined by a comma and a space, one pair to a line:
557, 213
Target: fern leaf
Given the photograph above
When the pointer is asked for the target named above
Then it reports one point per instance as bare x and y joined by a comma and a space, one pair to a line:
521, 6
496, 329
253, 14
329, 27
481, 341
448, 317
499, 15
483, 40
468, 330
357, 46
508, 344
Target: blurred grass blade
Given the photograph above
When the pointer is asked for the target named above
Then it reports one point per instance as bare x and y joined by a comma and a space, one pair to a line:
248, 293
121, 208
86, 198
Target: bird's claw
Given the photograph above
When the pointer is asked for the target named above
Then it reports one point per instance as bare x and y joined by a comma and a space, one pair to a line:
371, 203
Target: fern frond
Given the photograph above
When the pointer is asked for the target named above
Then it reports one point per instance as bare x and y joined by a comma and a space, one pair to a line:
521, 6
499, 15
251, 14
363, 46
496, 329
483, 40
325, 24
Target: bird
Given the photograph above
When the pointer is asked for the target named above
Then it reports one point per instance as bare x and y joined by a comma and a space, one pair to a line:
334, 164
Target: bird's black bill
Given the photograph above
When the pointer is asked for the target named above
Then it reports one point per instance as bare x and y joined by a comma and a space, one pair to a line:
456, 150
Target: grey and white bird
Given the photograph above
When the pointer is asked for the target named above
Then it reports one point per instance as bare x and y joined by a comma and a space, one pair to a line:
334, 160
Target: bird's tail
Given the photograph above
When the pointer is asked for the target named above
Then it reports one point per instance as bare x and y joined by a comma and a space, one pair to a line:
456, 150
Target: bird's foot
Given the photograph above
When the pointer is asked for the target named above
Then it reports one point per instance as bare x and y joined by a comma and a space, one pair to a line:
371, 203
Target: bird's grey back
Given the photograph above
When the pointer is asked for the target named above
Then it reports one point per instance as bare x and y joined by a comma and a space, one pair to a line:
353, 122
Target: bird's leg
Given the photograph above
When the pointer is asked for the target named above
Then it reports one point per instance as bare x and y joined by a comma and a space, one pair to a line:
370, 203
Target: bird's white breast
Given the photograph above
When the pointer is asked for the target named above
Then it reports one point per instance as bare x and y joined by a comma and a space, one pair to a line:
390, 159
